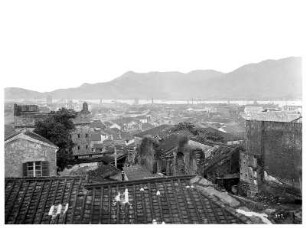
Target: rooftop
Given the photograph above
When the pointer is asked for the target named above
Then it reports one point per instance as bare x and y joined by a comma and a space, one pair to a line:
278, 116
160, 131
8, 130
137, 172
31, 135
168, 200
97, 124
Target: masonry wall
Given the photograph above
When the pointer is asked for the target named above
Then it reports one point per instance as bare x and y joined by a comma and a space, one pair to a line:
83, 141
273, 152
28, 120
21, 151
148, 157
283, 151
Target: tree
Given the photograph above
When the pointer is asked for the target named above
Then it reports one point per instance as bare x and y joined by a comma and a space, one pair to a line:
57, 128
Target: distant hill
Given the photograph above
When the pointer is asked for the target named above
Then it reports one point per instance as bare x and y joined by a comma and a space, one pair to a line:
270, 79
19, 93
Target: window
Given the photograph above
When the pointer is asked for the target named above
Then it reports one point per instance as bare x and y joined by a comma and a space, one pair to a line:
86, 146
79, 136
36, 169
79, 147
86, 135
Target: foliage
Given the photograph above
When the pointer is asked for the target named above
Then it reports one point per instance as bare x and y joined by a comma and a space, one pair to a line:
57, 128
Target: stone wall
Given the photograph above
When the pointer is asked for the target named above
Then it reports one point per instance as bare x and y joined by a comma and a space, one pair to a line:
273, 153
21, 151
28, 120
148, 158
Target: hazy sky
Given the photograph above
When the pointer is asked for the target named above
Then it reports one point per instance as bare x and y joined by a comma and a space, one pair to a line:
47, 45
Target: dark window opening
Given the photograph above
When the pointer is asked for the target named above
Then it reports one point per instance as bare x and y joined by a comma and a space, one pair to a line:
36, 169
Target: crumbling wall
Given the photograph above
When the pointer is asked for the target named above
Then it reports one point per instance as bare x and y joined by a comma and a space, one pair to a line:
147, 155
283, 151
274, 150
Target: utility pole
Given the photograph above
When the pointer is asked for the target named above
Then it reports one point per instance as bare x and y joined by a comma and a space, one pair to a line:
115, 156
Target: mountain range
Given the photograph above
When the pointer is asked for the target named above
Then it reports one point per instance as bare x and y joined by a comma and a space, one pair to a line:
266, 80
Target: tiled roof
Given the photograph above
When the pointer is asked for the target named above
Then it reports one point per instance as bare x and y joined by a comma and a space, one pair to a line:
13, 134
33, 136
218, 154
226, 136
173, 140
8, 130
102, 172
168, 200
160, 131
28, 200
97, 124
126, 135
279, 116
137, 172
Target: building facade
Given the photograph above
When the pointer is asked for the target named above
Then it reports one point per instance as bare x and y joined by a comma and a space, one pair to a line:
273, 156
29, 155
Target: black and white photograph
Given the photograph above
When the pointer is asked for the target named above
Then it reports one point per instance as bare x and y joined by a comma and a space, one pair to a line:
152, 112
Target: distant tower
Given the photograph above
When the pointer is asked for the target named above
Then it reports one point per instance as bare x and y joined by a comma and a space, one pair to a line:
152, 101
85, 109
101, 101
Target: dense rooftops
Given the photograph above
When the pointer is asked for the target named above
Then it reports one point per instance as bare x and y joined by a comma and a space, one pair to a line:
71, 200
160, 131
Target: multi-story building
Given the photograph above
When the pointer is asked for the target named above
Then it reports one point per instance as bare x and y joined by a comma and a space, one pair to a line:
273, 156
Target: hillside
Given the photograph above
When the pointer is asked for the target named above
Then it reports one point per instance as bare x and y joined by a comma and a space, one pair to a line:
270, 79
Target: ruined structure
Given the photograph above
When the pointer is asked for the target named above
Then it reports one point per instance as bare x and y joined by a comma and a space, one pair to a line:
25, 116
273, 158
